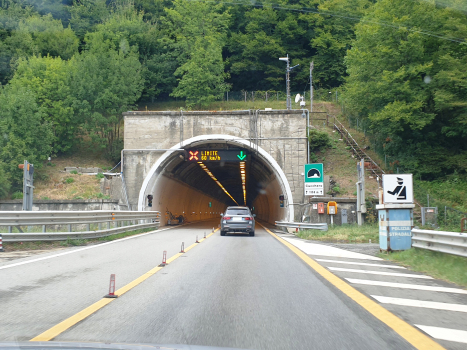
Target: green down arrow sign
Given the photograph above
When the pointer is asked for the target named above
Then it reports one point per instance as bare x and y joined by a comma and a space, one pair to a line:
241, 156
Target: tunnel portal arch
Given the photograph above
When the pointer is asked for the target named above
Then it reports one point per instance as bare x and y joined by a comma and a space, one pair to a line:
155, 171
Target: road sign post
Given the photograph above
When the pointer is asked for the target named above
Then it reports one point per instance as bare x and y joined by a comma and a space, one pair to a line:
395, 213
314, 179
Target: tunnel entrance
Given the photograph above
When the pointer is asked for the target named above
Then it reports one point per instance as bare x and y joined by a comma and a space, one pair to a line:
201, 176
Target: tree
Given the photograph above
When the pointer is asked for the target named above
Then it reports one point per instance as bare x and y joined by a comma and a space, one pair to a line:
126, 26
25, 134
198, 34
86, 14
50, 79
202, 76
49, 36
407, 78
105, 83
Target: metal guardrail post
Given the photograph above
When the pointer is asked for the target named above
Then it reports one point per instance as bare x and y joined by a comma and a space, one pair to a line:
43, 228
463, 228
69, 228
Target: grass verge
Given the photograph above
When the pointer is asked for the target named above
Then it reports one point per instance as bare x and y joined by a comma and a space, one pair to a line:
344, 234
318, 106
44, 245
443, 266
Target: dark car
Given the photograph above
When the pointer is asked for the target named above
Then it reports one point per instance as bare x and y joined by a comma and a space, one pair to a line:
238, 219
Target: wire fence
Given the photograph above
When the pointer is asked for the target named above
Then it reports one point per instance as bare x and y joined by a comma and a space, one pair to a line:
274, 95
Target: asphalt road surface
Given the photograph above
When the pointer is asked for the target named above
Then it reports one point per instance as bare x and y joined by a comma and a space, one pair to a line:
233, 291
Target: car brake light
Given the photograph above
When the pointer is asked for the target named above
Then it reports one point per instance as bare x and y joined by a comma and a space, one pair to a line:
227, 218
247, 219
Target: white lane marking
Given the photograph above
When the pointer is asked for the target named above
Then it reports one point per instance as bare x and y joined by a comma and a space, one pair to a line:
325, 250
81, 249
420, 303
381, 273
363, 264
445, 333
407, 286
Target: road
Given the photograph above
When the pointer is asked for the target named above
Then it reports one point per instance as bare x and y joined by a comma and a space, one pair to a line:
234, 291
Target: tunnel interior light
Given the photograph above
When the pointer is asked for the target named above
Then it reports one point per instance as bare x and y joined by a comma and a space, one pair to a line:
243, 177
205, 168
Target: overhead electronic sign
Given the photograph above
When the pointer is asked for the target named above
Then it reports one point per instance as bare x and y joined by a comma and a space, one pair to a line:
213, 155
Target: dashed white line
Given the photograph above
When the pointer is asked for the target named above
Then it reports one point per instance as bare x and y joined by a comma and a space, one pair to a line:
363, 264
406, 286
380, 273
445, 333
420, 303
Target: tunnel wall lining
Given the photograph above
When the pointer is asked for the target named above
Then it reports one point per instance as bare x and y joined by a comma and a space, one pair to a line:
186, 197
288, 213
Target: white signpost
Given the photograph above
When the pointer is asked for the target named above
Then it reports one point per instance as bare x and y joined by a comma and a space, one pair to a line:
397, 188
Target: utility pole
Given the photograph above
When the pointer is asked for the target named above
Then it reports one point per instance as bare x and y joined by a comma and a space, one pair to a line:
361, 205
287, 79
311, 86
28, 186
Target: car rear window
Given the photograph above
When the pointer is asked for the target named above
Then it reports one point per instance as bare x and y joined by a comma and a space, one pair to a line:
237, 212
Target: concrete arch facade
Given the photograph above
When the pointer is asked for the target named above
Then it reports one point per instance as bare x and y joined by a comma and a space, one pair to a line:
149, 137
268, 208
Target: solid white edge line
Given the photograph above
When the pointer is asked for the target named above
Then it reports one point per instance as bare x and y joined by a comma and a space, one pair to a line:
449, 334
420, 303
86, 248
363, 264
370, 272
406, 286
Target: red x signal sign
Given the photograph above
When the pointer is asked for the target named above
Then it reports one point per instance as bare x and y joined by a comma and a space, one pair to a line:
193, 155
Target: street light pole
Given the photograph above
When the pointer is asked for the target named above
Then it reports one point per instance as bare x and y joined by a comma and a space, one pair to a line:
287, 79
311, 86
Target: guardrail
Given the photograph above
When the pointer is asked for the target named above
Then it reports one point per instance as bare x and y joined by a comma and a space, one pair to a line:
303, 225
440, 241
115, 221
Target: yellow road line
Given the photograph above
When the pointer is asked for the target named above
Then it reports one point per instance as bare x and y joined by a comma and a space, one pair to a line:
71, 321
406, 331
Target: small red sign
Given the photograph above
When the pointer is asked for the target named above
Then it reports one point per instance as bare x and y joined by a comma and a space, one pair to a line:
194, 155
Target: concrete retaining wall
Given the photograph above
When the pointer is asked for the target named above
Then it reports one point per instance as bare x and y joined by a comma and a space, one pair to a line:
64, 205
350, 204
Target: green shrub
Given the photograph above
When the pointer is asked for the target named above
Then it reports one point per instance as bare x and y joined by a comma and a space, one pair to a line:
319, 140
75, 172
17, 195
336, 189
100, 176
69, 180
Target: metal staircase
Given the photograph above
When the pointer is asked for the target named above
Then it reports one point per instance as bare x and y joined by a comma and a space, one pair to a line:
359, 153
